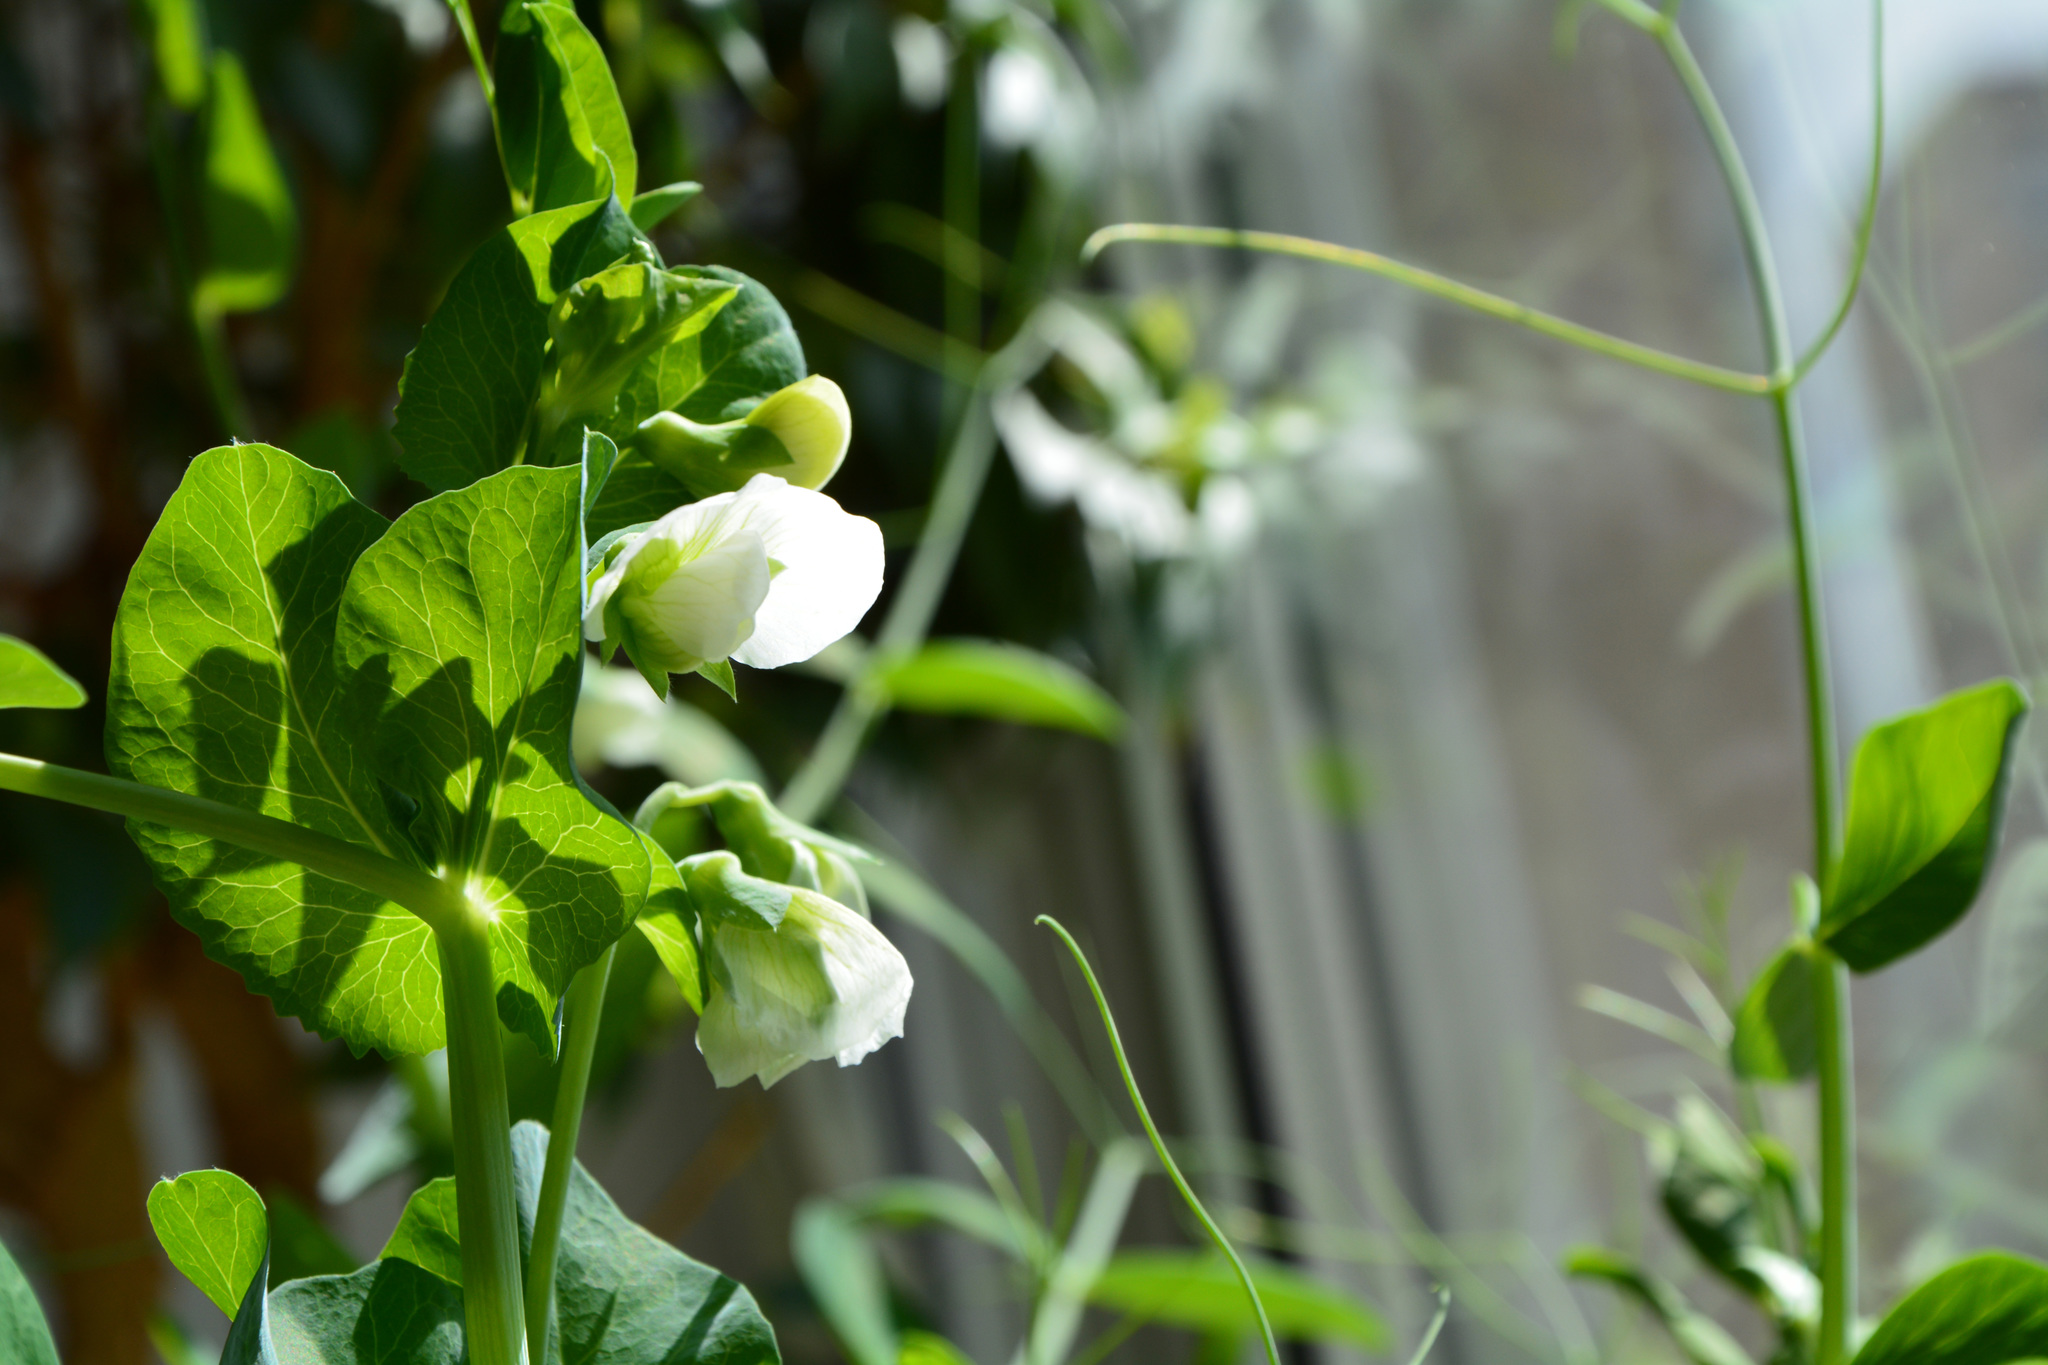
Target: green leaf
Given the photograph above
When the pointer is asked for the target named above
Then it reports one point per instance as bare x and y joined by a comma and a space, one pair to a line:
928, 1348
387, 1313
24, 1333
467, 618
749, 352
1000, 682
469, 384
224, 684
427, 1234
1982, 1311
651, 209
1777, 1026
178, 43
622, 1295
28, 678
214, 1229
564, 133
1703, 1341
1199, 1291
251, 227
913, 1201
1925, 803
844, 1276
668, 921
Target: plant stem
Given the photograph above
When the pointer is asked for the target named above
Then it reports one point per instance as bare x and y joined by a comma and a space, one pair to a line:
229, 407
493, 1306
1837, 1081
910, 614
417, 890
1837, 1160
962, 225
585, 1009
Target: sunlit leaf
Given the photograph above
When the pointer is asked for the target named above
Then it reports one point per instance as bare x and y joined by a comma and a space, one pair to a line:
1777, 1035
24, 1334
427, 1234
844, 1276
28, 678
214, 1229
1199, 1291
999, 682
1925, 804
178, 43
563, 130
224, 684
387, 1311
467, 618
469, 384
668, 920
928, 1348
251, 226
1981, 1311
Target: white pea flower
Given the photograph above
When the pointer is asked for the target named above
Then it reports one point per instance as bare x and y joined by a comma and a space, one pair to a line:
824, 983
766, 576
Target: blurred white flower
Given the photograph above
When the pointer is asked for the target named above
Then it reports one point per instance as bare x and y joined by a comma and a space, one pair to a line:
1018, 97
765, 576
824, 983
923, 56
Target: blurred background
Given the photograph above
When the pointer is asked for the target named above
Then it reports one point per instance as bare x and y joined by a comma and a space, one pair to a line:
1458, 668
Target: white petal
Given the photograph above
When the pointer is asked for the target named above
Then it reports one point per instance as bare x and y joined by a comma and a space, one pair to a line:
826, 984
831, 571
705, 609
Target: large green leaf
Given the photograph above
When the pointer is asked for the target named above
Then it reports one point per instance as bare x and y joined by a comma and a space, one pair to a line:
1983, 1311
24, 1333
28, 678
1200, 1291
467, 619
1000, 682
469, 384
427, 1233
1777, 1026
747, 353
560, 123
224, 684
1925, 803
251, 227
622, 1295
214, 1229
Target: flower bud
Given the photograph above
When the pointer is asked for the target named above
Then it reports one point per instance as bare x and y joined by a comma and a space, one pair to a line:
767, 576
798, 434
795, 976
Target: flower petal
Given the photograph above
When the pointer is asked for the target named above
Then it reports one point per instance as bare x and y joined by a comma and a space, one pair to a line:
831, 571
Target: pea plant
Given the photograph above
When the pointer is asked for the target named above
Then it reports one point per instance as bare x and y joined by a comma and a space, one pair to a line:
1925, 802
344, 746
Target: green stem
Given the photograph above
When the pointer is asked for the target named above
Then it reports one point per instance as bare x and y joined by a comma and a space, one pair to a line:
229, 406
910, 614
493, 1306
418, 891
962, 225
585, 1009
1837, 1161
1837, 1081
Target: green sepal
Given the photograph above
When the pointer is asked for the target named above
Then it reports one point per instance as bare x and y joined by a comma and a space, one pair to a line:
29, 679
718, 672
652, 208
725, 894
215, 1230
1926, 801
